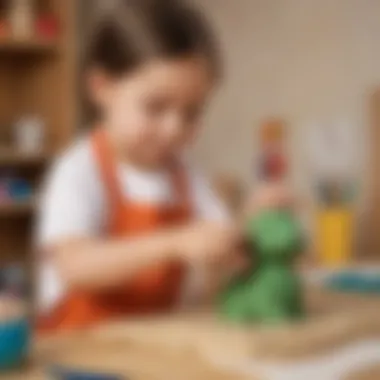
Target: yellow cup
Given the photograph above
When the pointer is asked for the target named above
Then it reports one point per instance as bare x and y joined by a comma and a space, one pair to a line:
335, 236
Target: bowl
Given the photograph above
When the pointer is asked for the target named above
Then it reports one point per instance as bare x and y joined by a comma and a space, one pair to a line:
14, 334
14, 343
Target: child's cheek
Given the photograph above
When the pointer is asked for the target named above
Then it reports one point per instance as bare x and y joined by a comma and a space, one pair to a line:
131, 126
130, 121
119, 117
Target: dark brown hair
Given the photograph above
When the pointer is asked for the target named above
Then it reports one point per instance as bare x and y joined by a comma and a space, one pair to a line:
132, 32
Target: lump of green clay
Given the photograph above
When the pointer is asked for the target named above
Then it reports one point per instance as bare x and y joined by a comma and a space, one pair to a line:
271, 292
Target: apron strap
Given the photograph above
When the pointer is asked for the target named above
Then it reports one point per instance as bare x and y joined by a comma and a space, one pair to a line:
180, 184
107, 168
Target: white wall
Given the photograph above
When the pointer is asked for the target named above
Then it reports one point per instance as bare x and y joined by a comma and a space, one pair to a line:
304, 60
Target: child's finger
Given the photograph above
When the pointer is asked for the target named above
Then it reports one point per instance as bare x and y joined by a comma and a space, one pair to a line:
242, 263
239, 264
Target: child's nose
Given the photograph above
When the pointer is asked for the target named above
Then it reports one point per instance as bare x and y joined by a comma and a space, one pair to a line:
173, 126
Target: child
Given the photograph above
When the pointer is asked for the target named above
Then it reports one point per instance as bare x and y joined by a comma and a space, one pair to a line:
124, 216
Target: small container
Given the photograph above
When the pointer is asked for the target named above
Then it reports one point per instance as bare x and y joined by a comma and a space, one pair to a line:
47, 26
335, 236
20, 189
63, 373
15, 334
21, 18
29, 135
4, 30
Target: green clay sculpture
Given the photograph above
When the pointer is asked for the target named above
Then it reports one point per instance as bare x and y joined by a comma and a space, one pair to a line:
272, 291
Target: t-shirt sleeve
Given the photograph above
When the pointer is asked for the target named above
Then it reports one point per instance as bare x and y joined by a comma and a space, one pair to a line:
207, 204
69, 205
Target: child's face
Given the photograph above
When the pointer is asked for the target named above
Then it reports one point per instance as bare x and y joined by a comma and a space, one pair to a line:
154, 113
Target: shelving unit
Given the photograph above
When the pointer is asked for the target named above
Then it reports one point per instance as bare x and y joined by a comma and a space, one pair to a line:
34, 46
17, 208
15, 158
37, 77
369, 227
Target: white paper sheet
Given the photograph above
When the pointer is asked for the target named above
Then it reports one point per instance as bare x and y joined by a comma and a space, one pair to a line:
335, 365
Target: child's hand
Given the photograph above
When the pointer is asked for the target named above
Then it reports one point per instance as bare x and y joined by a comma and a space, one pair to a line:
270, 196
216, 253
209, 243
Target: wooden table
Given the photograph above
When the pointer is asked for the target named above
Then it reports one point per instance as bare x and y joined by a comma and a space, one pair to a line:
119, 347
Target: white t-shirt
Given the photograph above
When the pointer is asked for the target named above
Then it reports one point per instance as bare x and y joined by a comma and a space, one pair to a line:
74, 204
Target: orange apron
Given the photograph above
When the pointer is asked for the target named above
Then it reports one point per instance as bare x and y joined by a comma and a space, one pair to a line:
154, 289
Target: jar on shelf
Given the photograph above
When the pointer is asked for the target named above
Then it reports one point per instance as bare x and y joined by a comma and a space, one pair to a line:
29, 134
21, 18
15, 334
15, 328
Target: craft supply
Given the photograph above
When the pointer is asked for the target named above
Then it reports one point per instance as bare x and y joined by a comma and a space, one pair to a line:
272, 292
272, 130
272, 166
57, 372
20, 189
13, 188
334, 235
336, 193
272, 162
331, 154
331, 151
47, 26
21, 18
29, 134
354, 282
14, 333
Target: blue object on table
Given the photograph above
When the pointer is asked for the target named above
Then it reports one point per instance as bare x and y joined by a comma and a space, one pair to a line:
354, 282
63, 373
14, 343
19, 189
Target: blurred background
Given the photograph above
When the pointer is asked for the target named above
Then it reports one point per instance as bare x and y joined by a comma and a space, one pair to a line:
310, 66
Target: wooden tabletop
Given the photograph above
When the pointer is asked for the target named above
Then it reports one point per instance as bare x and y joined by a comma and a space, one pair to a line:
113, 350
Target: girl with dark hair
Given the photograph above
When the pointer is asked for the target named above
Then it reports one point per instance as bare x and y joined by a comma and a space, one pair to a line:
126, 224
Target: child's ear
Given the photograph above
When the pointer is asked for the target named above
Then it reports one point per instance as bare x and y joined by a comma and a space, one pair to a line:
98, 85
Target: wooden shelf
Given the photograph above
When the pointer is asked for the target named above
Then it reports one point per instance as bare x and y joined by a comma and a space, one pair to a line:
34, 46
15, 208
38, 76
15, 157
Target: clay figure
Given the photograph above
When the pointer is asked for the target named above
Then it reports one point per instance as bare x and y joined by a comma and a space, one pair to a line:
271, 292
